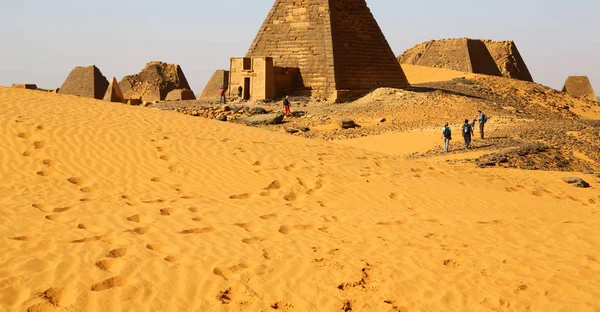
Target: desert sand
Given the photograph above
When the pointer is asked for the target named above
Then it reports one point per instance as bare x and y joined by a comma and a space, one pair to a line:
108, 207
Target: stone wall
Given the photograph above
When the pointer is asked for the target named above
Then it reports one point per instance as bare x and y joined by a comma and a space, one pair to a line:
86, 82
450, 54
580, 86
481, 60
220, 79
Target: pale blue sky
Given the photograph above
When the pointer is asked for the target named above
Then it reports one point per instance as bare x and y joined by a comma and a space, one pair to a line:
43, 40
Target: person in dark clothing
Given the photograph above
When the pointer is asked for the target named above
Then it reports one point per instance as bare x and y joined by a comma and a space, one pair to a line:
222, 98
447, 136
286, 105
482, 121
467, 132
240, 90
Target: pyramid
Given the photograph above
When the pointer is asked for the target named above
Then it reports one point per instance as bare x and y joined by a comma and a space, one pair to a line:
86, 82
495, 58
580, 86
180, 95
220, 79
113, 93
337, 45
154, 82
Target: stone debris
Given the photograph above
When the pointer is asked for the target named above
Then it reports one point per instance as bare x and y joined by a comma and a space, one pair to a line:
266, 119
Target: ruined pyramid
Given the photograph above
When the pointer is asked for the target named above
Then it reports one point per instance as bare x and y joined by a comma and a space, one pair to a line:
580, 86
154, 82
337, 45
220, 79
495, 58
113, 93
86, 82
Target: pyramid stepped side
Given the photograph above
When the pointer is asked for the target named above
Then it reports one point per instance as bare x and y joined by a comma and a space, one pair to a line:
297, 34
220, 79
86, 82
509, 60
481, 60
413, 55
362, 56
113, 93
450, 54
580, 86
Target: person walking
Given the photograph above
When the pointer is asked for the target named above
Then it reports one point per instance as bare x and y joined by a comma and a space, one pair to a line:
482, 121
467, 132
240, 90
447, 136
222, 98
286, 105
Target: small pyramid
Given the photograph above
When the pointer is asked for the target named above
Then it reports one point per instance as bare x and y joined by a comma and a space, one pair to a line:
220, 79
86, 82
180, 95
113, 93
580, 86
336, 44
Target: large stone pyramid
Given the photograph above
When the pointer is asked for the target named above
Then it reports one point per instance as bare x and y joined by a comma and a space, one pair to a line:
580, 86
337, 45
496, 58
85, 81
154, 82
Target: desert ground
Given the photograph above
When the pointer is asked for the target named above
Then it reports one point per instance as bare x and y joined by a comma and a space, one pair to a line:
108, 207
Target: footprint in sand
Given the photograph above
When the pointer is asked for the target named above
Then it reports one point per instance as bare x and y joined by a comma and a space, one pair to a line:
167, 211
141, 230
39, 128
240, 196
113, 282
249, 226
288, 229
269, 216
59, 296
109, 265
253, 240
89, 239
44, 173
49, 162
198, 230
156, 179
117, 253
62, 209
77, 181
165, 157
39, 144
159, 248
24, 135
22, 238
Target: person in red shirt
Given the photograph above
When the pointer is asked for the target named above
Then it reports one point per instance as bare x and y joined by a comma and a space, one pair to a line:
222, 99
286, 105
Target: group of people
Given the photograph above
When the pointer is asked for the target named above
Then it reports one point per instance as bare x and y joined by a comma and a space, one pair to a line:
467, 131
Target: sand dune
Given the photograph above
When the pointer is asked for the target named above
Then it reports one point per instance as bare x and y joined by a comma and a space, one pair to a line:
106, 207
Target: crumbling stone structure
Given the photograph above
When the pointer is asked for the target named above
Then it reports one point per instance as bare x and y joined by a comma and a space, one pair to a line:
496, 58
180, 95
335, 45
220, 79
154, 82
580, 86
86, 82
113, 92
24, 86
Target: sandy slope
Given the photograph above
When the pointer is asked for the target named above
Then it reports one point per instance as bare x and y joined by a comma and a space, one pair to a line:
105, 207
